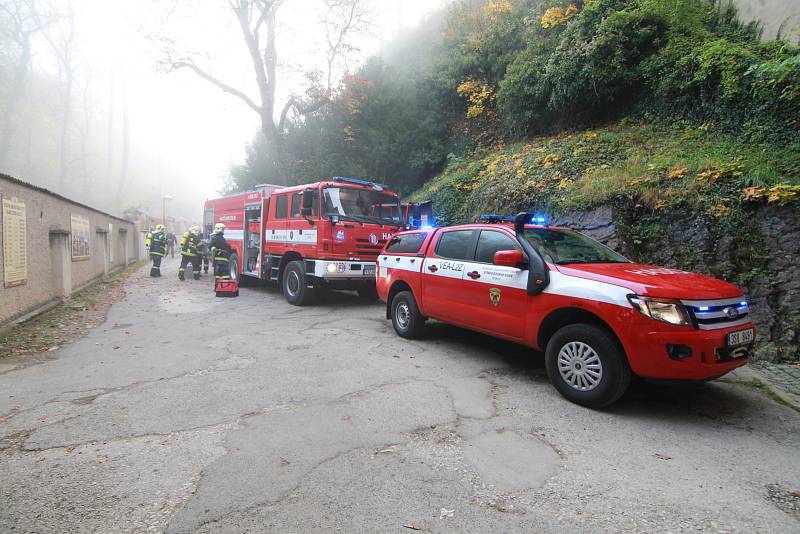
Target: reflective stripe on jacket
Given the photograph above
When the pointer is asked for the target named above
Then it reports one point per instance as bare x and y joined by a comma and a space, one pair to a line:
189, 244
156, 242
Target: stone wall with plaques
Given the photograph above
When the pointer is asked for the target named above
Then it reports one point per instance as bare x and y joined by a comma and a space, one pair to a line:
52, 246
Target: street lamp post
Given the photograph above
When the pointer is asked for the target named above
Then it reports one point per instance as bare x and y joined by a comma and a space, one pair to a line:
164, 209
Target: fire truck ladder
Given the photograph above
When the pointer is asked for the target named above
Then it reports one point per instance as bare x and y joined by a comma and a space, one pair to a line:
274, 268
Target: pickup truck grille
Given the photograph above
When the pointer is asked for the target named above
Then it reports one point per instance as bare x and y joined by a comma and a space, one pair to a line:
365, 248
716, 314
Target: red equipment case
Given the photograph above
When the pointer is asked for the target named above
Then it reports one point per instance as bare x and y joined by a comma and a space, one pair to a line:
226, 288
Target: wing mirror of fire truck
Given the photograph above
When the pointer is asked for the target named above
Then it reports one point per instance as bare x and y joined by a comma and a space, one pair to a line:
307, 207
509, 258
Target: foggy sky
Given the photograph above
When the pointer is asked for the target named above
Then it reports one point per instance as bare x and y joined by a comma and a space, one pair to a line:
184, 133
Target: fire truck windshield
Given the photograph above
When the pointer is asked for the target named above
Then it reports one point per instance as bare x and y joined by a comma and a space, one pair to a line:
361, 205
564, 246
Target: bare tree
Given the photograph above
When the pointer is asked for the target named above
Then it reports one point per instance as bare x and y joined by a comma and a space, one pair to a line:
257, 22
62, 40
21, 20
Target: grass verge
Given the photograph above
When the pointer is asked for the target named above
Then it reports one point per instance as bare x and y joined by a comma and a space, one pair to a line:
68, 321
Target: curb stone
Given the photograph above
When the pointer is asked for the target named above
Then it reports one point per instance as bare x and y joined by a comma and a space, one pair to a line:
751, 373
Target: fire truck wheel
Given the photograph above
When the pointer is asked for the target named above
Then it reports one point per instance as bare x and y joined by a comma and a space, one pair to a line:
408, 322
587, 366
368, 292
294, 284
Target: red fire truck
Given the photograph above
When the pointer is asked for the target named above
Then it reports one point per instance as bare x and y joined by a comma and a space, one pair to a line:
599, 317
308, 237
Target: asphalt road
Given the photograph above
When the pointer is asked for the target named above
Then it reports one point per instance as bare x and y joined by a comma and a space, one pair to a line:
188, 413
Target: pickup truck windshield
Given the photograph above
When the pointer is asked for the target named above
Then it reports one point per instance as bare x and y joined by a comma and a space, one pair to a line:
564, 246
361, 205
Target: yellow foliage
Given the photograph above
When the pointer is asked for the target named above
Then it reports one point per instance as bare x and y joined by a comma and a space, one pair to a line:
678, 173
549, 160
478, 94
557, 15
754, 194
564, 183
634, 183
719, 210
783, 194
724, 170
592, 136
494, 9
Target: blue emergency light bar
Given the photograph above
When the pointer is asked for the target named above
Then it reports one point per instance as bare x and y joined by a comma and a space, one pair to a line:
537, 219
496, 218
366, 183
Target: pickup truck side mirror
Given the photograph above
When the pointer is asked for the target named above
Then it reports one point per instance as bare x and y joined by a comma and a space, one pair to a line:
538, 274
307, 207
508, 258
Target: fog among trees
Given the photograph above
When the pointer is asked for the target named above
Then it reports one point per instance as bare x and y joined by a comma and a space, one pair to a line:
118, 103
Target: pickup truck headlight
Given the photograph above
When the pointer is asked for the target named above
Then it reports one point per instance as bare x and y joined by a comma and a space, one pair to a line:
665, 310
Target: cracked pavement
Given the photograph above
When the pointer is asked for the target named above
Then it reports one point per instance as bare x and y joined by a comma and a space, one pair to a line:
188, 413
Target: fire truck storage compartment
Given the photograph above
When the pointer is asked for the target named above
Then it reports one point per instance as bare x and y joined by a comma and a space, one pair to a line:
252, 238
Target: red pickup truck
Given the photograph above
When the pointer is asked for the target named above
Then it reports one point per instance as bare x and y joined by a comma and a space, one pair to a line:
598, 317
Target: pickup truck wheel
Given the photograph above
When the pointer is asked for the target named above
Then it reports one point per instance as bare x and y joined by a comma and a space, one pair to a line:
295, 285
587, 365
408, 322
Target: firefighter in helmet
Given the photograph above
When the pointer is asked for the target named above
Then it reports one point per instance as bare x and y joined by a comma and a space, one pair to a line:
189, 253
220, 253
156, 243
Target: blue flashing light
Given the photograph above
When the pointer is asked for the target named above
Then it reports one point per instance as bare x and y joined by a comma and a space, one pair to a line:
703, 308
539, 219
743, 303
426, 227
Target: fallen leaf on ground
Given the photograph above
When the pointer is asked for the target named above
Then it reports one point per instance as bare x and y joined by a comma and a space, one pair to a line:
71, 448
41, 419
102, 459
412, 526
387, 450
663, 456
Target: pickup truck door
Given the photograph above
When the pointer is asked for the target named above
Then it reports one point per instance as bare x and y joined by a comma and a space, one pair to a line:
496, 295
443, 282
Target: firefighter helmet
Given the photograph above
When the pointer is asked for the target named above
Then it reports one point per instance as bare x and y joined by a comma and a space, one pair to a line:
219, 228
194, 229
159, 228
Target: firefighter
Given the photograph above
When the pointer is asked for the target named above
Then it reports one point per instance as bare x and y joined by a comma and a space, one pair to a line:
189, 253
220, 253
156, 244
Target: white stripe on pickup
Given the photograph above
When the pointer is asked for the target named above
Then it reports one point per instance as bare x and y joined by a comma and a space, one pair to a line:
583, 288
495, 275
403, 263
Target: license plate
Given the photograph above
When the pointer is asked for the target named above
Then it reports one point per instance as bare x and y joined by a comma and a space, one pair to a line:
369, 270
742, 337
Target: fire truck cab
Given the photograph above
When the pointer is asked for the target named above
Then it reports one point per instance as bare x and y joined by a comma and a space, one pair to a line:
599, 317
308, 237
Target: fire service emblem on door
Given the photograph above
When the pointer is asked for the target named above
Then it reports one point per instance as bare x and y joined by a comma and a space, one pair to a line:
494, 296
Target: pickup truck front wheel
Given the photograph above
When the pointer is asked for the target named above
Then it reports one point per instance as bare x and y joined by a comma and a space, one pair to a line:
587, 365
408, 322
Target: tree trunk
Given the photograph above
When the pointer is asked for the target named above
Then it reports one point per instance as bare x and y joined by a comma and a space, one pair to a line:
17, 92
66, 118
126, 141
